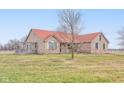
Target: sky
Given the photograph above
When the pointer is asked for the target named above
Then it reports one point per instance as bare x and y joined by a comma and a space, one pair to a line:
15, 24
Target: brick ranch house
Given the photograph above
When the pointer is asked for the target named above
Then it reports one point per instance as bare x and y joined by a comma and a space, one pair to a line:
45, 42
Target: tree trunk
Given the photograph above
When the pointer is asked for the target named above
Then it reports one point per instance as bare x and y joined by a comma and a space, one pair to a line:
72, 52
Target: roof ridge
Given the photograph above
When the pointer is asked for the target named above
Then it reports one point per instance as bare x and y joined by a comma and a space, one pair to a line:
91, 33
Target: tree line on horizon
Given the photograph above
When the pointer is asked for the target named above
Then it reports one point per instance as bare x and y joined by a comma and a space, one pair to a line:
12, 44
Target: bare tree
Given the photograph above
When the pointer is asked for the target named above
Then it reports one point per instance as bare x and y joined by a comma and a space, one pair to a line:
70, 22
11, 45
121, 37
1, 46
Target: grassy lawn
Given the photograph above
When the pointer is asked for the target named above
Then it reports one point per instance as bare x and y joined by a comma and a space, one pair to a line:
59, 68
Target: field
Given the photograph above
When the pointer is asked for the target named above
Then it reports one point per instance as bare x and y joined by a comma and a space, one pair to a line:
60, 68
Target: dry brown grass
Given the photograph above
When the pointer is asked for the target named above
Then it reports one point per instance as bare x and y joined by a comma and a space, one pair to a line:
59, 68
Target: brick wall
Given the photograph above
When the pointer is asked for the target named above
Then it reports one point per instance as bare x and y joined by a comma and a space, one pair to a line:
40, 44
84, 48
100, 44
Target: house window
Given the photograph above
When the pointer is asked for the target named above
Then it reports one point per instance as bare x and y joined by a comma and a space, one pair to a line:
52, 44
35, 45
100, 38
103, 46
28, 46
96, 45
69, 46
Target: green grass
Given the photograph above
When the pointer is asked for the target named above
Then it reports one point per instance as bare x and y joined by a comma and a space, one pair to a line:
59, 68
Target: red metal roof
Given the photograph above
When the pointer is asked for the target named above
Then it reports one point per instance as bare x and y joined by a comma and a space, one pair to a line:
63, 36
88, 37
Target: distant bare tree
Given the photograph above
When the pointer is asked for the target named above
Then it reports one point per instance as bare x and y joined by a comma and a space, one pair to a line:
1, 46
70, 22
11, 45
121, 37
